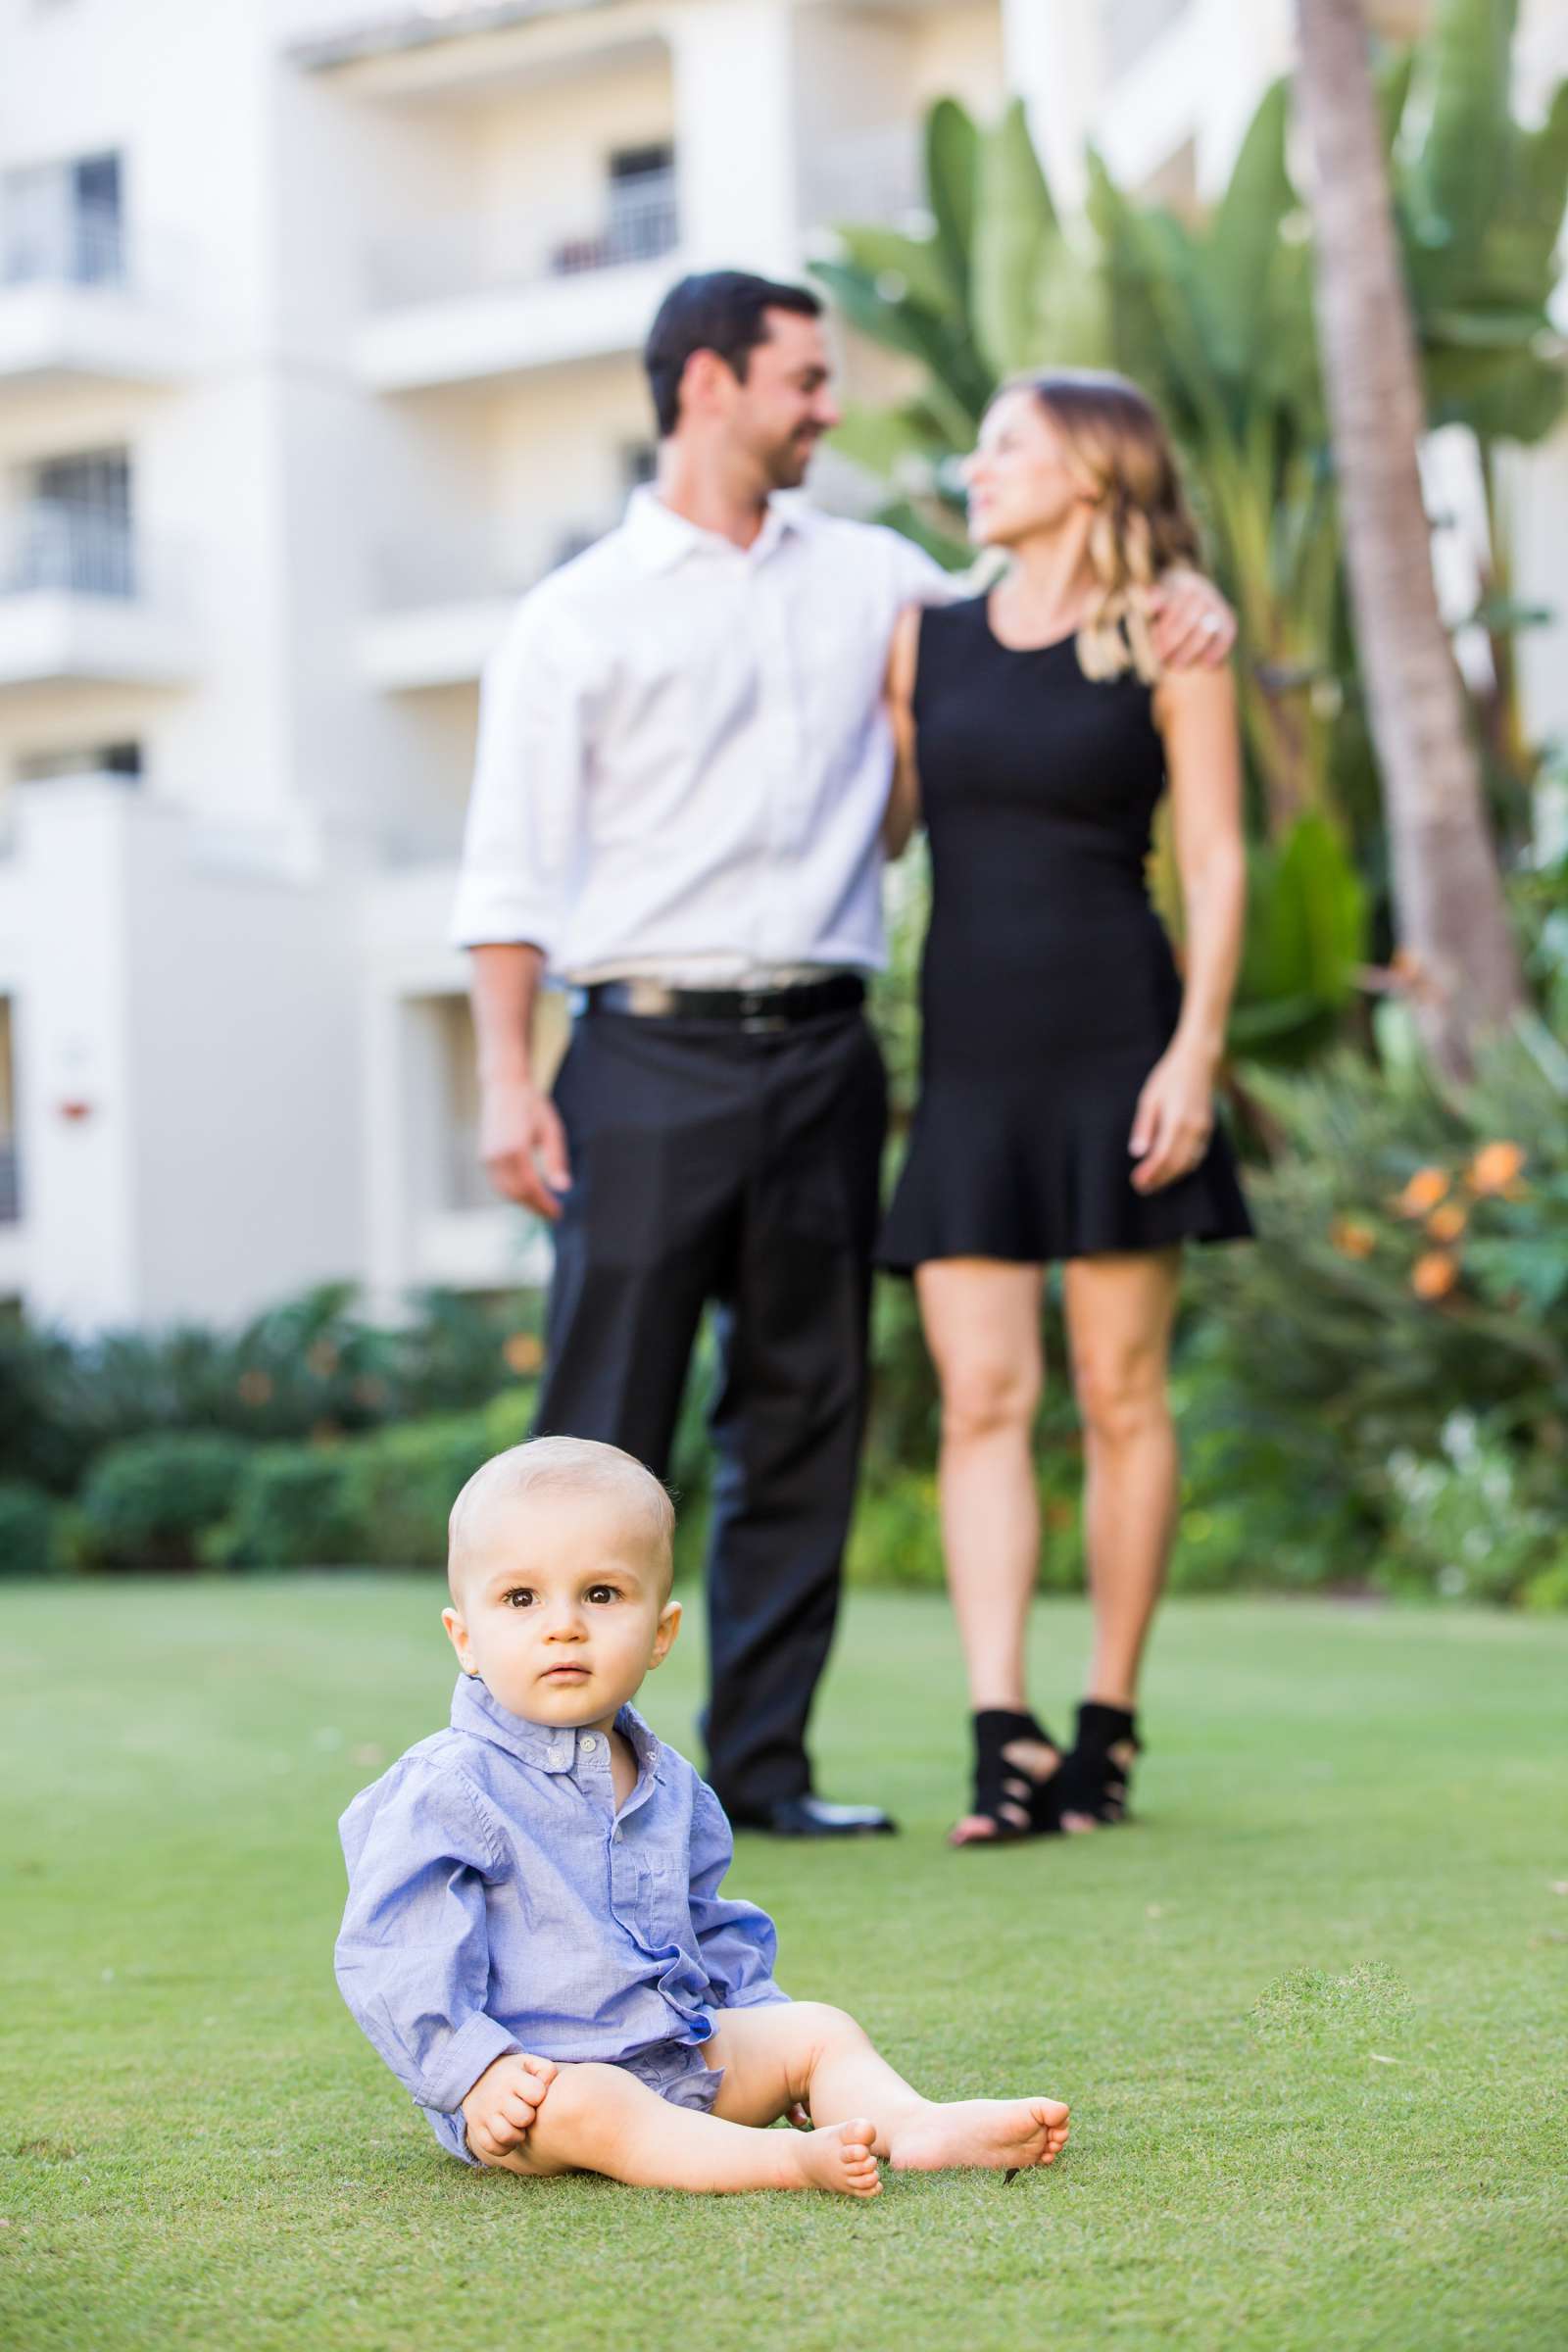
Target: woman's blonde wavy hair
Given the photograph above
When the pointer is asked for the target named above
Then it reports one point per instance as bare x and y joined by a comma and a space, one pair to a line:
1143, 526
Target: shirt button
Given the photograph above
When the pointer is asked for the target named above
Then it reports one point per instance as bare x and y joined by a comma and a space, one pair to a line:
589, 1743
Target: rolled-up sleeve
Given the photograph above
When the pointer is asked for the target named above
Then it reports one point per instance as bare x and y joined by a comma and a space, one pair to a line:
738, 1942
523, 840
413, 1957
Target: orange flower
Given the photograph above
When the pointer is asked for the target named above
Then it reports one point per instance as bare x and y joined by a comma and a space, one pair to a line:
1495, 1167
1424, 1190
1433, 1275
326, 1433
367, 1389
255, 1386
1352, 1238
524, 1352
322, 1358
1445, 1224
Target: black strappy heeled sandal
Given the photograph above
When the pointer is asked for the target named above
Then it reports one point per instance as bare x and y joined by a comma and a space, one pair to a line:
1093, 1777
1004, 1790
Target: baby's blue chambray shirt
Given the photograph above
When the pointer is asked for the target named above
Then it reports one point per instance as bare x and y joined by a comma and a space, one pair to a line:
499, 1901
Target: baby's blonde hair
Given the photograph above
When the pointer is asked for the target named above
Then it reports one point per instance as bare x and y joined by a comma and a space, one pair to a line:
1143, 526
582, 1464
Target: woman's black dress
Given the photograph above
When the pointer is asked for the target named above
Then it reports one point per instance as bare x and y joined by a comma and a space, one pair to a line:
1048, 988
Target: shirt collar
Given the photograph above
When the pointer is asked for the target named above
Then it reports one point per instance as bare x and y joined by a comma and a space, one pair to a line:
550, 1747
660, 539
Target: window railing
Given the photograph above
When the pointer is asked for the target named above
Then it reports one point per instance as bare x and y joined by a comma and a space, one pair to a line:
56, 547
492, 254
65, 245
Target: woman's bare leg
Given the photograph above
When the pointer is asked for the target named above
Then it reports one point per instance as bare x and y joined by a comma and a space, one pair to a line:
982, 1326
1120, 1311
600, 2118
806, 2053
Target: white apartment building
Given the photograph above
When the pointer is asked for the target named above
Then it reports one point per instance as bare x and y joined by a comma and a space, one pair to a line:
318, 333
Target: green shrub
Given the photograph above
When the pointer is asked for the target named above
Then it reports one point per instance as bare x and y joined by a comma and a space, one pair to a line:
148, 1502
27, 1530
400, 1485
895, 1539
1409, 1284
290, 1511
308, 1368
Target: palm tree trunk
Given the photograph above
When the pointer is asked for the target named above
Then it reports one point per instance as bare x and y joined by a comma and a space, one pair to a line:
1448, 891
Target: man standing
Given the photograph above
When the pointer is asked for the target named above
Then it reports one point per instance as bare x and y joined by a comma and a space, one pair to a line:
682, 773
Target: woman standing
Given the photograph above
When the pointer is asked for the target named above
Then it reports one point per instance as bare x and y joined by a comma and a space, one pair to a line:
1066, 1106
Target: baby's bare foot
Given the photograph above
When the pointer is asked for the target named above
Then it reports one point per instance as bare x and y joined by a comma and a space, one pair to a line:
839, 2158
1007, 2133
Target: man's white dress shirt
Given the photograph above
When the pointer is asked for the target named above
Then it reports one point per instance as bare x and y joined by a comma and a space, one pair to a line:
684, 760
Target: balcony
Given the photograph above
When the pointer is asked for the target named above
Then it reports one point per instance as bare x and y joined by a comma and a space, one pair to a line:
83, 596
485, 295
440, 614
80, 303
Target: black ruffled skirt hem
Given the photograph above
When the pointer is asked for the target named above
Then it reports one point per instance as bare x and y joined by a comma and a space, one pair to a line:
1033, 1190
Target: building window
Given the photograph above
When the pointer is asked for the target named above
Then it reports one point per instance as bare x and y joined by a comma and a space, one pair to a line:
122, 759
72, 528
64, 224
642, 201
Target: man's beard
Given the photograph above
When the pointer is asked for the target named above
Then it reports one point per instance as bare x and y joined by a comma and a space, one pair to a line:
792, 462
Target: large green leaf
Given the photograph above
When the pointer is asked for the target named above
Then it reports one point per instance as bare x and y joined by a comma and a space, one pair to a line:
957, 387
951, 167
1244, 242
887, 258
1015, 234
888, 442
1306, 935
1461, 173
1394, 75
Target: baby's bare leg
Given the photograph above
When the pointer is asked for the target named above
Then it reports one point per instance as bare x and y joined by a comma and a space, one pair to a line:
807, 2052
600, 2118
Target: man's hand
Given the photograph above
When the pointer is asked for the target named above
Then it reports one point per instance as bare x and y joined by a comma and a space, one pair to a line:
1174, 1120
499, 2110
1194, 627
523, 1146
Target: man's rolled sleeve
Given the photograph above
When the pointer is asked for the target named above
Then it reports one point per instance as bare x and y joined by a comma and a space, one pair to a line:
522, 838
737, 1940
412, 1956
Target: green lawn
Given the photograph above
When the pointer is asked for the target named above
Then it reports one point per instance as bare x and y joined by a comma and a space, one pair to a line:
198, 2148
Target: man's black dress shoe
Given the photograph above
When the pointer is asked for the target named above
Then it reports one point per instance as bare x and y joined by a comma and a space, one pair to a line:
813, 1817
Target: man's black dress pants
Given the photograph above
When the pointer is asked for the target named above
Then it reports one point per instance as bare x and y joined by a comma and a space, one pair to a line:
715, 1163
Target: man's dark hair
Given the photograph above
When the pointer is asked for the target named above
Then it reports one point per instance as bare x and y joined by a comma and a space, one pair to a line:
716, 310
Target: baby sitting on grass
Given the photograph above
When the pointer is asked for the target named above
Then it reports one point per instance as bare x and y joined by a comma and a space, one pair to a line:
535, 1941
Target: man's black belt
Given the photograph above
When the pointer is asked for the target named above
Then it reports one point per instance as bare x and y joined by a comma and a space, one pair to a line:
748, 1009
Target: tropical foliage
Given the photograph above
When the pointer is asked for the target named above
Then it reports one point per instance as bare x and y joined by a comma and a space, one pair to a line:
1216, 316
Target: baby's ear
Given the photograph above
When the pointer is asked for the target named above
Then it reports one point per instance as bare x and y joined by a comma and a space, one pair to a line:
457, 1632
664, 1631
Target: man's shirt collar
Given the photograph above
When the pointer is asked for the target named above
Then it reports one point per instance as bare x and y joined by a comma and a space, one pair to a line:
660, 539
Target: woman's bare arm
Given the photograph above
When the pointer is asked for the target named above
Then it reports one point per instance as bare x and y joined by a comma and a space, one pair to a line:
903, 801
1194, 710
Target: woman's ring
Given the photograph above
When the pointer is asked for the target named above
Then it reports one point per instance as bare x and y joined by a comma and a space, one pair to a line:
1212, 625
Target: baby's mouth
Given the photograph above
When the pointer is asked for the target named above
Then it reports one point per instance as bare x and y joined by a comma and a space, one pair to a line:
565, 1673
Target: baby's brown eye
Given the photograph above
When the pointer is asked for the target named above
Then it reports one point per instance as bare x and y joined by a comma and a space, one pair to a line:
603, 1593
519, 1597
